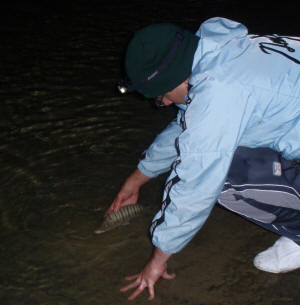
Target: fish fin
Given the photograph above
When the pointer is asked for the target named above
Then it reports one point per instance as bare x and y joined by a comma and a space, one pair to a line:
125, 223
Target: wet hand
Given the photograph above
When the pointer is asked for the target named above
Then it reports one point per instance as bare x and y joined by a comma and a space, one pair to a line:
129, 192
147, 279
126, 196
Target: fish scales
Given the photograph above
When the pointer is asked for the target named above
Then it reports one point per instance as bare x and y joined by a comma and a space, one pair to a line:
125, 215
118, 218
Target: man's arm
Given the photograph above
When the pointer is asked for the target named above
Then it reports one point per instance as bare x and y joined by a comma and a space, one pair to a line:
160, 155
215, 122
158, 159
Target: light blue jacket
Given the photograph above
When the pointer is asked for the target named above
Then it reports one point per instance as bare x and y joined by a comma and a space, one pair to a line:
245, 92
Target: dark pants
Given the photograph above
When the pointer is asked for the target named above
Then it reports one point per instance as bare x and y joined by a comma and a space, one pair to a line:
264, 188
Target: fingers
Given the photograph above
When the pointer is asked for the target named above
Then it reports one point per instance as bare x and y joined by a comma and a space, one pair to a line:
168, 276
132, 199
119, 202
142, 280
140, 289
151, 293
141, 285
137, 292
107, 211
131, 277
130, 286
115, 206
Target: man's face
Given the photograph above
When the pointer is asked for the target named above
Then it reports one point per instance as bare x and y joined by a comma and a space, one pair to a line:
176, 96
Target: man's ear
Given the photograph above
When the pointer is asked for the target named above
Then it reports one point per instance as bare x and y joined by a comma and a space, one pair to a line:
186, 82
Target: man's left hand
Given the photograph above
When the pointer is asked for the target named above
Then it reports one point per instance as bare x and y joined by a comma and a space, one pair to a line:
147, 278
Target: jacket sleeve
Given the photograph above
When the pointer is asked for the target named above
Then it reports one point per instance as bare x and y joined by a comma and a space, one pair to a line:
160, 155
215, 121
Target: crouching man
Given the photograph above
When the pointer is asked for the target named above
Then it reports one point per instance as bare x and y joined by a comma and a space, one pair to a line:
236, 139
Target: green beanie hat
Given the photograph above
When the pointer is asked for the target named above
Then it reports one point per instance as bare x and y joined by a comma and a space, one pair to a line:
149, 49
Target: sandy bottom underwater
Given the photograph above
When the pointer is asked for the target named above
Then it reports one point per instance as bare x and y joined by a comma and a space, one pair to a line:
61, 261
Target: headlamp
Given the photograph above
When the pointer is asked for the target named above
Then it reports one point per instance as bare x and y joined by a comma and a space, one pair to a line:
123, 86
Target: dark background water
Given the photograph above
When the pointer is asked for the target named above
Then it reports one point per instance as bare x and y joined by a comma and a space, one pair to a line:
68, 140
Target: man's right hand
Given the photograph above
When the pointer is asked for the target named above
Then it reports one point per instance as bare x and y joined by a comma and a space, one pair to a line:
129, 191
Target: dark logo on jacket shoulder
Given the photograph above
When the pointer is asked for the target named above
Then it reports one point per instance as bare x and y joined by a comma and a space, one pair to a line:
278, 44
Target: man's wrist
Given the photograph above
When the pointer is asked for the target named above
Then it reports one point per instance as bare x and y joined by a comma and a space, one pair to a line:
159, 257
138, 178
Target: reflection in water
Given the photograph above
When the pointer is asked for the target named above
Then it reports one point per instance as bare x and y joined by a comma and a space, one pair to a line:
67, 142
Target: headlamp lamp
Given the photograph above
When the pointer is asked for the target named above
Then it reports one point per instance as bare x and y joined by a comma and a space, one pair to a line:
123, 86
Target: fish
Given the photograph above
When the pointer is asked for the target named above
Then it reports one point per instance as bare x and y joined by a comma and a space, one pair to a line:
118, 218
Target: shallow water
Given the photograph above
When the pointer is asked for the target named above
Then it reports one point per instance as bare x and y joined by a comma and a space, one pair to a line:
68, 140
